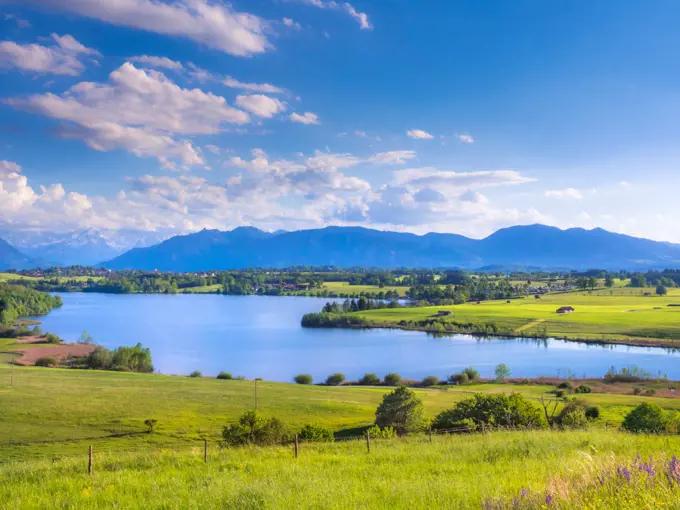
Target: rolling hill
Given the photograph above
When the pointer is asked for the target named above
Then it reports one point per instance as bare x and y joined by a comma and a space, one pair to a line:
533, 245
11, 258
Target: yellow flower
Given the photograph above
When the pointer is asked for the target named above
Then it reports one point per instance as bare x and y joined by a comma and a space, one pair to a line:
86, 491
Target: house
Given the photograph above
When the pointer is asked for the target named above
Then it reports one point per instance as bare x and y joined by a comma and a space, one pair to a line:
565, 309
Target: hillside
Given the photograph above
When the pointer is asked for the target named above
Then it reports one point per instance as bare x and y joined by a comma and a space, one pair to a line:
535, 246
11, 258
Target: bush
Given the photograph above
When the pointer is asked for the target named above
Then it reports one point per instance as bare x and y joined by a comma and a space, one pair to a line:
51, 338
495, 410
573, 415
46, 362
384, 433
472, 374
100, 358
316, 434
402, 410
335, 379
646, 417
566, 385
559, 393
253, 428
392, 379
126, 359
593, 412
303, 379
459, 379
651, 392
196, 373
583, 389
637, 390
369, 380
150, 425
430, 380
225, 375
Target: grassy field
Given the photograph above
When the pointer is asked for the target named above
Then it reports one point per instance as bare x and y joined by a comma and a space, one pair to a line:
619, 315
346, 288
4, 277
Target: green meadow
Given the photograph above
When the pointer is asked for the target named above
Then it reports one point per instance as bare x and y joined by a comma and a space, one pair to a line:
623, 315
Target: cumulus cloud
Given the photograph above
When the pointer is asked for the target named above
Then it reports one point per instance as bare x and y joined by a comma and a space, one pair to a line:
569, 193
160, 62
62, 57
211, 24
419, 134
305, 118
261, 105
360, 17
137, 110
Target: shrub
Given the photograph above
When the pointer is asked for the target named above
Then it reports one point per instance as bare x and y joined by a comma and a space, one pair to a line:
335, 379
99, 359
253, 428
46, 362
51, 338
384, 433
573, 415
559, 393
583, 389
303, 379
402, 410
430, 380
369, 380
316, 434
646, 417
472, 374
637, 390
224, 375
593, 412
196, 373
392, 379
495, 410
651, 392
459, 379
566, 385
150, 425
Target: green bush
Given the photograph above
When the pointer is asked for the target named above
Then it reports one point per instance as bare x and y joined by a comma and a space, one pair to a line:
472, 374
459, 379
496, 410
316, 434
335, 379
646, 417
196, 373
593, 412
402, 410
100, 358
303, 379
381, 433
224, 375
637, 390
584, 389
573, 415
430, 380
369, 380
566, 385
392, 379
46, 362
51, 338
559, 393
253, 428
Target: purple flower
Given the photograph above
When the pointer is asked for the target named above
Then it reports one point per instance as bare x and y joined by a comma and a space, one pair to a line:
548, 499
674, 470
623, 472
523, 493
601, 479
515, 502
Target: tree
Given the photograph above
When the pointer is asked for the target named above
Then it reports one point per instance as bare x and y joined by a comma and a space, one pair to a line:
472, 374
335, 379
150, 425
502, 372
316, 434
369, 380
638, 281
392, 379
402, 410
609, 282
303, 379
488, 409
430, 380
459, 379
253, 428
196, 373
661, 290
85, 338
225, 375
646, 417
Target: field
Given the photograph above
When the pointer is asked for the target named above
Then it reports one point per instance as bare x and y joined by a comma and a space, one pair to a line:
620, 315
4, 277
346, 288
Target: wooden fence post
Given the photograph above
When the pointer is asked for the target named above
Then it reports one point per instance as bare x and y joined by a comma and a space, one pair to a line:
368, 441
89, 461
205, 451
296, 446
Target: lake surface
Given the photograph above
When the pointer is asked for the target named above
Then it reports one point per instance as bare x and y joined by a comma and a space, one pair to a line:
260, 336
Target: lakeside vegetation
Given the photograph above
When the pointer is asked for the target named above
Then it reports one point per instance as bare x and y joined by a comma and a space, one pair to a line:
19, 301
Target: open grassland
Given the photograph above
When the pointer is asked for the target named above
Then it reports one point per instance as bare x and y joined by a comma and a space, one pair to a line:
346, 288
204, 289
574, 470
5, 277
621, 315
46, 412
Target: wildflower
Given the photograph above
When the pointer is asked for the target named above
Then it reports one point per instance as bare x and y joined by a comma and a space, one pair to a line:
674, 470
523, 493
624, 473
548, 499
601, 479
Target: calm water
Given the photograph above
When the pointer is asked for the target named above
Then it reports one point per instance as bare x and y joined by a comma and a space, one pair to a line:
259, 336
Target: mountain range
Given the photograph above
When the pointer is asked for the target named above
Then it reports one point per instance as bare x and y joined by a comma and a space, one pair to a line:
536, 246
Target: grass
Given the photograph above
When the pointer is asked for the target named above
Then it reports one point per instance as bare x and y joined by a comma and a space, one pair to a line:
346, 288
62, 279
204, 289
620, 315
496, 470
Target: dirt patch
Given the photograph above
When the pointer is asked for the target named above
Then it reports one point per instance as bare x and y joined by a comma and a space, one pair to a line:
31, 340
59, 352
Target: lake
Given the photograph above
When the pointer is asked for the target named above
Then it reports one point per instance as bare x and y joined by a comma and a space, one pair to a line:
260, 336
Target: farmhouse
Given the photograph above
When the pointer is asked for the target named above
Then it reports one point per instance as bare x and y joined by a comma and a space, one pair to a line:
565, 309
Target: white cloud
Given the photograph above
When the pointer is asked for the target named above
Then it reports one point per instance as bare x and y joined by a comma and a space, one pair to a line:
21, 23
261, 105
292, 24
211, 24
213, 148
419, 134
465, 138
252, 87
360, 17
624, 183
160, 62
63, 57
392, 157
305, 118
570, 193
138, 111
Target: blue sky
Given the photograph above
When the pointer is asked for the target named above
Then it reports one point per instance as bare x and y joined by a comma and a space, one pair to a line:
461, 116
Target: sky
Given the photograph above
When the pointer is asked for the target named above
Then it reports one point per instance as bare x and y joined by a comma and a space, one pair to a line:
462, 116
